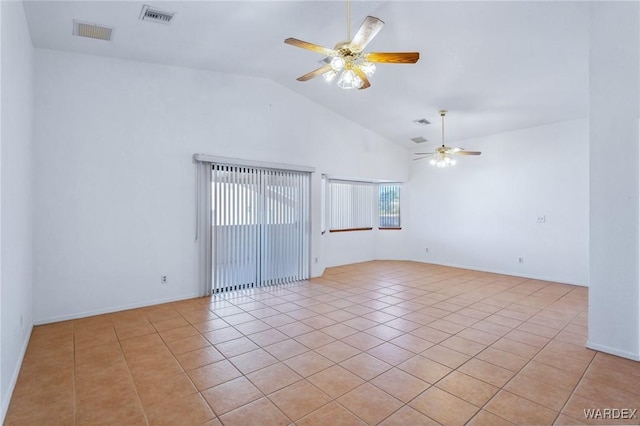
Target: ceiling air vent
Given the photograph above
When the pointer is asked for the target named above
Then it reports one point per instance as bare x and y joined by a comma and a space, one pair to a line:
87, 29
422, 121
156, 15
419, 139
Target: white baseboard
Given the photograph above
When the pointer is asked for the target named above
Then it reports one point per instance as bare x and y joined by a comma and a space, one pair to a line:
510, 273
113, 309
6, 399
613, 351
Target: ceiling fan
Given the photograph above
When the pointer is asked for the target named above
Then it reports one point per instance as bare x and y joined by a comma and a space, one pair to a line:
348, 61
444, 155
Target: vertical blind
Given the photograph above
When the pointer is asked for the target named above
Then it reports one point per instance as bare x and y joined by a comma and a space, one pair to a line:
389, 206
350, 205
260, 226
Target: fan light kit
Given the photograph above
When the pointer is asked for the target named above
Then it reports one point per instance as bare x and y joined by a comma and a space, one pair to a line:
444, 156
347, 61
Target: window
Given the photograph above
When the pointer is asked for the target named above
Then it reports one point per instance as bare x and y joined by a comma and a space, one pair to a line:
389, 206
350, 206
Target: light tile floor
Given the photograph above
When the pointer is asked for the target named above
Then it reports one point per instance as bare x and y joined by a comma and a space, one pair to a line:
390, 343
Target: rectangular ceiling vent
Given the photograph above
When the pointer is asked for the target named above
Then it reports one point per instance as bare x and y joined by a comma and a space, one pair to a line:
419, 139
422, 121
87, 29
156, 15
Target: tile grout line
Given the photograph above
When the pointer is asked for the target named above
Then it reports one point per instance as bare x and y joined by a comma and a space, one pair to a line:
531, 360
465, 327
579, 380
393, 366
334, 400
572, 393
135, 387
474, 356
533, 357
402, 287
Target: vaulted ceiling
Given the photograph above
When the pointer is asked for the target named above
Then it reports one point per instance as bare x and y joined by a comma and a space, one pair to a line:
496, 66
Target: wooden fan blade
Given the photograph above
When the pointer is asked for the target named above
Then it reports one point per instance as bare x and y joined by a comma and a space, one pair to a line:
367, 31
315, 73
393, 57
420, 158
310, 46
463, 152
363, 77
424, 153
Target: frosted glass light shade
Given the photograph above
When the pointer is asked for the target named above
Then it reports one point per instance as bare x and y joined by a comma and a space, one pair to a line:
337, 63
349, 80
442, 160
329, 76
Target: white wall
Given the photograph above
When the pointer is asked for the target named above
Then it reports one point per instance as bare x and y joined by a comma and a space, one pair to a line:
614, 71
482, 213
16, 215
115, 180
343, 248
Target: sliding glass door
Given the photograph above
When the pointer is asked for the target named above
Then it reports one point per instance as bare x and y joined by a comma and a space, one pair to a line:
260, 226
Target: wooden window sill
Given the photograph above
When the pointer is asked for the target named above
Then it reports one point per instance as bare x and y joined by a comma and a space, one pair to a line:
350, 229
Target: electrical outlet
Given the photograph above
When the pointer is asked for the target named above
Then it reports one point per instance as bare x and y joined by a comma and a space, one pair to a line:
164, 279
315, 260
426, 250
521, 260
541, 219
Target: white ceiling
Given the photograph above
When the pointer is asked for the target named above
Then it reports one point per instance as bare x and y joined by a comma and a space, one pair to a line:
496, 66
